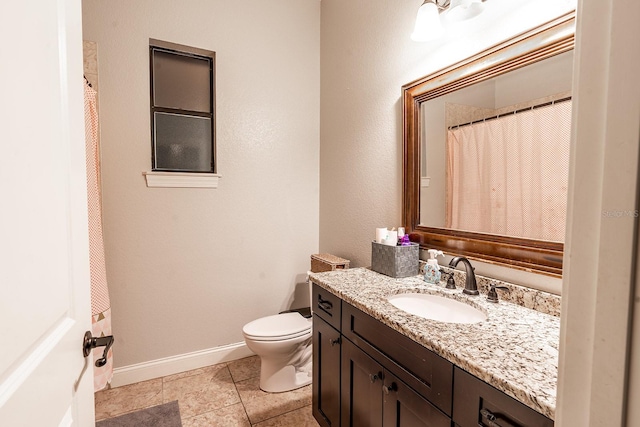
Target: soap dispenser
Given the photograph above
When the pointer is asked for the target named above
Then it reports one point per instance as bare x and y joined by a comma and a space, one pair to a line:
432, 269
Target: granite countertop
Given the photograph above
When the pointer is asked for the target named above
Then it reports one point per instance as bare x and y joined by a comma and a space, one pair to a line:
515, 349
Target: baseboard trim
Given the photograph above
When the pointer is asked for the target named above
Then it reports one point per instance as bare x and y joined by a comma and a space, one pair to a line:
180, 363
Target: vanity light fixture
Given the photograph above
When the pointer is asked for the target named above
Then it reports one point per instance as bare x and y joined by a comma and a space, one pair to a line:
428, 23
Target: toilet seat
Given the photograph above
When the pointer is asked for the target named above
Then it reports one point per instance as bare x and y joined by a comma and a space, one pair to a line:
277, 327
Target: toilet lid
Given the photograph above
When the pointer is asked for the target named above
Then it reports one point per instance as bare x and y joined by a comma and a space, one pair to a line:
278, 326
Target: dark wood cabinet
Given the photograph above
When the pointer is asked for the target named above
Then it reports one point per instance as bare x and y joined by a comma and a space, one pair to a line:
372, 396
361, 388
365, 374
476, 403
326, 373
327, 306
327, 345
403, 407
423, 370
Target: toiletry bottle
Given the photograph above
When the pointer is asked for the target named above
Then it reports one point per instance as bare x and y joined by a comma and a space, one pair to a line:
432, 269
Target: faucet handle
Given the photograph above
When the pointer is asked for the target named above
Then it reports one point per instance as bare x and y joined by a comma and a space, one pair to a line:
451, 283
492, 295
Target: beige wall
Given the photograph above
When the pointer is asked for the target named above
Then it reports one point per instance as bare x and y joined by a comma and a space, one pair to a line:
187, 268
367, 56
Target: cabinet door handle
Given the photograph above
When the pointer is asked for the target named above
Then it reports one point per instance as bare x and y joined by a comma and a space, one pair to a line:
334, 342
324, 304
390, 388
490, 420
373, 378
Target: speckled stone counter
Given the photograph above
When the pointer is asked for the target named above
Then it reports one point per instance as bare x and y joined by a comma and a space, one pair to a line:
515, 349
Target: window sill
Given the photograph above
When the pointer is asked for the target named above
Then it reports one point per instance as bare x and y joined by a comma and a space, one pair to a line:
181, 179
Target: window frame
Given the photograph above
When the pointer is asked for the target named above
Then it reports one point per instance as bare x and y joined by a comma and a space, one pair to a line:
178, 49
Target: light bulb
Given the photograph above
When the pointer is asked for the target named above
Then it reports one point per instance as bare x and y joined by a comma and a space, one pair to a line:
428, 26
461, 10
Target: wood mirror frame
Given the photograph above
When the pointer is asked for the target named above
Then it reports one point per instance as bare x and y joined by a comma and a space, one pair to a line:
538, 256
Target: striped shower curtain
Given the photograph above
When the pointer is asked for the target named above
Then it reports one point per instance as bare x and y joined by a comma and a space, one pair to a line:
100, 304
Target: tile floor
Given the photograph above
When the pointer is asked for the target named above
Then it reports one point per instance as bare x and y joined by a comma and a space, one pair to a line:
226, 394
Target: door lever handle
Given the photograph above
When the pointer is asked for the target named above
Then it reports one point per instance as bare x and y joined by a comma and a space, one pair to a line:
90, 342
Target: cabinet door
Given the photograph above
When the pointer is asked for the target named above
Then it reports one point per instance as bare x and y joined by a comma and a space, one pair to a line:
361, 388
422, 369
403, 407
326, 373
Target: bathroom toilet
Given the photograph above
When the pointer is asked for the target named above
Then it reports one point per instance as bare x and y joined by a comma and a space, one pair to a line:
283, 343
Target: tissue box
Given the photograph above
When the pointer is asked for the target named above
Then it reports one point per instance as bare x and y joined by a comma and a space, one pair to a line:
395, 261
327, 262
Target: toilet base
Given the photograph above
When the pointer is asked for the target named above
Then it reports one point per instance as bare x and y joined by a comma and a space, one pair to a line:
286, 374
285, 379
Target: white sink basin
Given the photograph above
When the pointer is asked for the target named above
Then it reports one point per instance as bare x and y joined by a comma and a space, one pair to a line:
438, 308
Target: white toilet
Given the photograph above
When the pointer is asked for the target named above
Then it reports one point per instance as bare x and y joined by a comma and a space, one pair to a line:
283, 343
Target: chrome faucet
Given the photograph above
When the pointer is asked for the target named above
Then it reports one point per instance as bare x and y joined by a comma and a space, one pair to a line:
470, 286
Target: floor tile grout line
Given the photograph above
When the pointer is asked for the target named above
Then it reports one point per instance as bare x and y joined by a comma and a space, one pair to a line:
281, 414
235, 385
244, 408
240, 401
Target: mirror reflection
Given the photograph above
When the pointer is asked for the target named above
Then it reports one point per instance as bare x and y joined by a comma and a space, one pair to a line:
494, 156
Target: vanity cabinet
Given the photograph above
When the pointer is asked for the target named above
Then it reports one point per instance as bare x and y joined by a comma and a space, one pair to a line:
477, 403
356, 384
367, 374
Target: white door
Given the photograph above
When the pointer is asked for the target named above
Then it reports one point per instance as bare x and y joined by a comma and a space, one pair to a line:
44, 268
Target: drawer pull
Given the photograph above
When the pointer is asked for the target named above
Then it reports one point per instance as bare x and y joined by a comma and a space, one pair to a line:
324, 304
334, 342
390, 388
490, 420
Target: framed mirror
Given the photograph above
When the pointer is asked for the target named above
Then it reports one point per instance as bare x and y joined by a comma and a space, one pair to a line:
486, 152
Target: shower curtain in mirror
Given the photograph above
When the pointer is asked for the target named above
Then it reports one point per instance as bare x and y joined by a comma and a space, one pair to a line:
509, 175
100, 304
